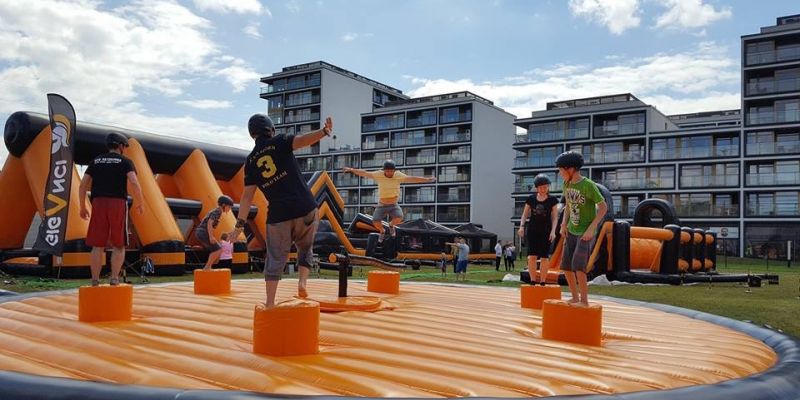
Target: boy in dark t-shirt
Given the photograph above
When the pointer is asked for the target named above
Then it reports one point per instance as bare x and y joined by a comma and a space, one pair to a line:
542, 208
206, 231
292, 218
107, 177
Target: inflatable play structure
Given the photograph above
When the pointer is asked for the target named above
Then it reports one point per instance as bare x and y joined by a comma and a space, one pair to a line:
181, 181
654, 249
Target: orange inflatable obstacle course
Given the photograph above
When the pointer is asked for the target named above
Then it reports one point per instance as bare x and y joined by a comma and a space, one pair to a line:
438, 341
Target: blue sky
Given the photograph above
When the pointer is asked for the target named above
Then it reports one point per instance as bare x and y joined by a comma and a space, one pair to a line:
190, 68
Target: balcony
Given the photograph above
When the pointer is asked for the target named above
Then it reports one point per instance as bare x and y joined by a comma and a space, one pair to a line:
451, 197
349, 214
370, 199
449, 158
549, 136
787, 147
291, 102
453, 217
291, 119
342, 180
619, 130
707, 210
462, 177
769, 86
639, 183
419, 197
772, 179
773, 117
606, 158
449, 118
525, 187
413, 141
769, 210
695, 152
291, 85
789, 53
421, 121
416, 160
710, 181
538, 162
375, 144
455, 137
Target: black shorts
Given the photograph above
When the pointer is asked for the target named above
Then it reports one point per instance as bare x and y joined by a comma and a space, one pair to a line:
225, 263
205, 241
538, 243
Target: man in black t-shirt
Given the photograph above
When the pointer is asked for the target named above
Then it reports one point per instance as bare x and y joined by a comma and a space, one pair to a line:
107, 177
542, 208
292, 216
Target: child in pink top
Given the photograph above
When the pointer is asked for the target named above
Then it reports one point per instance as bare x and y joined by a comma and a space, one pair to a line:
226, 256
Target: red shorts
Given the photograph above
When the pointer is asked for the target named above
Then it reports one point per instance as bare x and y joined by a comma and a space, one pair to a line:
109, 223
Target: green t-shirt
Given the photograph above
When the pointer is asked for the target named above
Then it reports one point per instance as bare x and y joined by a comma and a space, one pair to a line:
582, 198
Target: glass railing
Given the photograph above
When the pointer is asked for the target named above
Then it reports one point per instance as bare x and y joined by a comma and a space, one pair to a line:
766, 86
534, 162
449, 118
773, 117
369, 199
420, 198
625, 212
346, 180
350, 199
379, 162
707, 210
291, 86
787, 147
452, 138
547, 136
308, 150
382, 125
767, 179
530, 188
377, 144
453, 178
453, 217
290, 102
340, 164
710, 181
420, 160
414, 141
447, 158
313, 166
452, 197
615, 157
426, 120
779, 55
349, 214
617, 130
788, 210
411, 215
290, 119
695, 152
639, 183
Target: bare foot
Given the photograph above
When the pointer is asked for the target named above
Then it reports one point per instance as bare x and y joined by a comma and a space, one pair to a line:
267, 306
302, 292
573, 301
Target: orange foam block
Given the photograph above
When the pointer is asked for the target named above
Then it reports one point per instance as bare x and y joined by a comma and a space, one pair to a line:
383, 282
567, 322
105, 303
291, 328
215, 281
532, 296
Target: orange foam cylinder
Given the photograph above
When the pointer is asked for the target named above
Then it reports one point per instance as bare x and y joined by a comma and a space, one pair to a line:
291, 328
156, 224
383, 282
532, 296
215, 281
105, 303
15, 194
572, 323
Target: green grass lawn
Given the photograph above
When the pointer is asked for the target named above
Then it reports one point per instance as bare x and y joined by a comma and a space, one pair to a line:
775, 305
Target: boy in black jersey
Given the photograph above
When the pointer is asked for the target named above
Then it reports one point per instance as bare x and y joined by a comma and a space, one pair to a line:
292, 216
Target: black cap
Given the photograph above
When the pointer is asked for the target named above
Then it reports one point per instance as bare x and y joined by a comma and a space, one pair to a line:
114, 140
540, 180
389, 164
569, 159
225, 201
258, 125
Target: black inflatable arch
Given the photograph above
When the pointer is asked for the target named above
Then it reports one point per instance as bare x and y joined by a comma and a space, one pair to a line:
642, 216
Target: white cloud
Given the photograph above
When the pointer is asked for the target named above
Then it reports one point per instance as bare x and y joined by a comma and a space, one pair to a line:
294, 6
351, 36
617, 15
699, 80
104, 59
228, 6
683, 14
206, 104
252, 30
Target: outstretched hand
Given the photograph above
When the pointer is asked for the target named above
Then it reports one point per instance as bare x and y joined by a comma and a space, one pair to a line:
347, 169
328, 128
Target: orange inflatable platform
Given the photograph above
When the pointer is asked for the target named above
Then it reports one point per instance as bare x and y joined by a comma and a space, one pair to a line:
436, 341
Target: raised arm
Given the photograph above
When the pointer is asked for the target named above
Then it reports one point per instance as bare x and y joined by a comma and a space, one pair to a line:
419, 179
310, 138
358, 172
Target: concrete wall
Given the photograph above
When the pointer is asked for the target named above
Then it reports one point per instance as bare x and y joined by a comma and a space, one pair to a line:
492, 160
344, 99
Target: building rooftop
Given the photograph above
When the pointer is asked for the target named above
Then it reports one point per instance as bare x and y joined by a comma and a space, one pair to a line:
591, 101
439, 97
785, 23
318, 65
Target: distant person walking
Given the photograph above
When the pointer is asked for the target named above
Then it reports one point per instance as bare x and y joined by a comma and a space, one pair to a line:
107, 178
498, 254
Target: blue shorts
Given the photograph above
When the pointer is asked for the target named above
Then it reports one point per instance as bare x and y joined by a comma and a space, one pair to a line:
461, 266
382, 210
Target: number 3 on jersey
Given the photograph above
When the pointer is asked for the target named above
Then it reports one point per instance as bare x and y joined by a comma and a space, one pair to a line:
268, 165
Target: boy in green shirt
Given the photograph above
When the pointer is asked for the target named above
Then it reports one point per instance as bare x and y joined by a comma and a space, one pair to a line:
584, 210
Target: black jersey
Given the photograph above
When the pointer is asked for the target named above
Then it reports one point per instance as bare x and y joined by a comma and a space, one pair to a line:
273, 168
540, 219
109, 174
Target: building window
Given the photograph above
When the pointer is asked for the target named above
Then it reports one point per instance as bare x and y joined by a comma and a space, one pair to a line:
773, 204
454, 154
312, 164
449, 115
710, 175
425, 194
779, 112
419, 212
692, 205
619, 125
456, 173
637, 178
383, 122
379, 141
556, 130
611, 152
421, 156
302, 115
769, 240
453, 134
421, 118
417, 137
770, 142
453, 214
774, 173
369, 196
537, 157
524, 183
302, 98
625, 205
703, 146
349, 196
450, 194
370, 160
342, 179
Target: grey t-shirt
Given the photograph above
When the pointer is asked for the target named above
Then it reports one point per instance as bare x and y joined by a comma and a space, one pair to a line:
463, 252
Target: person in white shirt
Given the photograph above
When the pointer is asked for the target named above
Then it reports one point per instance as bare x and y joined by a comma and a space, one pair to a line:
498, 254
